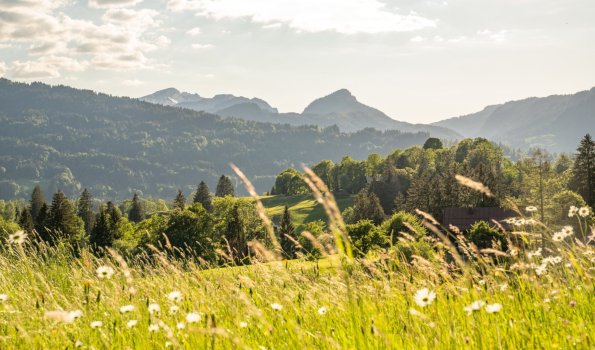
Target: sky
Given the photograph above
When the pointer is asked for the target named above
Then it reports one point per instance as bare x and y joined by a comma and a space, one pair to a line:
416, 60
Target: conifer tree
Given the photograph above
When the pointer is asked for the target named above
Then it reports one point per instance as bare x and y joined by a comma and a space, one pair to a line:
224, 187
180, 201
26, 221
367, 206
583, 179
137, 211
37, 200
203, 196
287, 236
85, 210
236, 237
62, 220
41, 222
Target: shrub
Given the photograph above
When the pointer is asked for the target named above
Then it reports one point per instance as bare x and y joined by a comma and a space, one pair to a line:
365, 236
402, 222
483, 235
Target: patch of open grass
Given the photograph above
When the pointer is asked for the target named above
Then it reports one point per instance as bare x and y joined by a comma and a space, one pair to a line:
303, 208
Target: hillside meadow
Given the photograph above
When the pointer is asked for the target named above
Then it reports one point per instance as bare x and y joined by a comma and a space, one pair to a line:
539, 293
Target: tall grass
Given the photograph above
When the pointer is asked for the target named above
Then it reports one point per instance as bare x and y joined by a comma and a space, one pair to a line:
335, 303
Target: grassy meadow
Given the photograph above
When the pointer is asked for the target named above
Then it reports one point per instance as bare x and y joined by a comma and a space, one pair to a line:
303, 208
52, 300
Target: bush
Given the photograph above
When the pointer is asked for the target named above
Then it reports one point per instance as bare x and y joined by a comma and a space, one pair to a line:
401, 222
483, 235
365, 236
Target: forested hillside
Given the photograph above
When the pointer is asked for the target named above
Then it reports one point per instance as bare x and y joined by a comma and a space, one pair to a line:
69, 139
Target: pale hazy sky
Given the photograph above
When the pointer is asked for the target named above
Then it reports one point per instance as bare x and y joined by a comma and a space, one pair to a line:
416, 60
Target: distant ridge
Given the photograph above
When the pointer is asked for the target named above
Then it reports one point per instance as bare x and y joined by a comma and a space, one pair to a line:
339, 108
555, 122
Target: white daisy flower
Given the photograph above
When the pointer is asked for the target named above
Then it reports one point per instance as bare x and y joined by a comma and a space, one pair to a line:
153, 328
131, 323
154, 308
64, 316
180, 325
568, 230
424, 297
583, 212
126, 308
572, 211
104, 272
173, 309
276, 306
474, 306
322, 310
3, 298
78, 344
193, 317
174, 296
541, 269
243, 324
558, 236
531, 209
96, 324
492, 308
18, 237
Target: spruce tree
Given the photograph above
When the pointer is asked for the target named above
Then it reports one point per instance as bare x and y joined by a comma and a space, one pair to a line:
137, 212
37, 200
224, 187
583, 179
203, 196
62, 220
85, 210
26, 221
367, 206
235, 236
102, 234
180, 201
41, 223
287, 236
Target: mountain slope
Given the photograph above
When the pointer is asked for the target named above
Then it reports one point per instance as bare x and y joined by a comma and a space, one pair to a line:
69, 139
340, 108
554, 122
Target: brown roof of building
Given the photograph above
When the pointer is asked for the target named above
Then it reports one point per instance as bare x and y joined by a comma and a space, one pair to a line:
463, 218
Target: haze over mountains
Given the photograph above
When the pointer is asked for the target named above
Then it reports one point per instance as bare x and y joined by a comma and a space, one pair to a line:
340, 108
553, 122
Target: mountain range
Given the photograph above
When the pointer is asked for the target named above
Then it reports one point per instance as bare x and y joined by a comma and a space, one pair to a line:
69, 139
340, 108
553, 122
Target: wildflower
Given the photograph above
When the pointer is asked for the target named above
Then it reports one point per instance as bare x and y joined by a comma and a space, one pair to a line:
572, 211
18, 237
174, 296
96, 324
153, 328
154, 308
474, 306
243, 324
105, 272
276, 306
531, 209
541, 269
583, 212
131, 323
173, 309
180, 325
572, 303
558, 236
3, 298
126, 308
534, 253
193, 317
63, 316
492, 308
322, 310
503, 287
424, 297
78, 344
168, 344
567, 230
